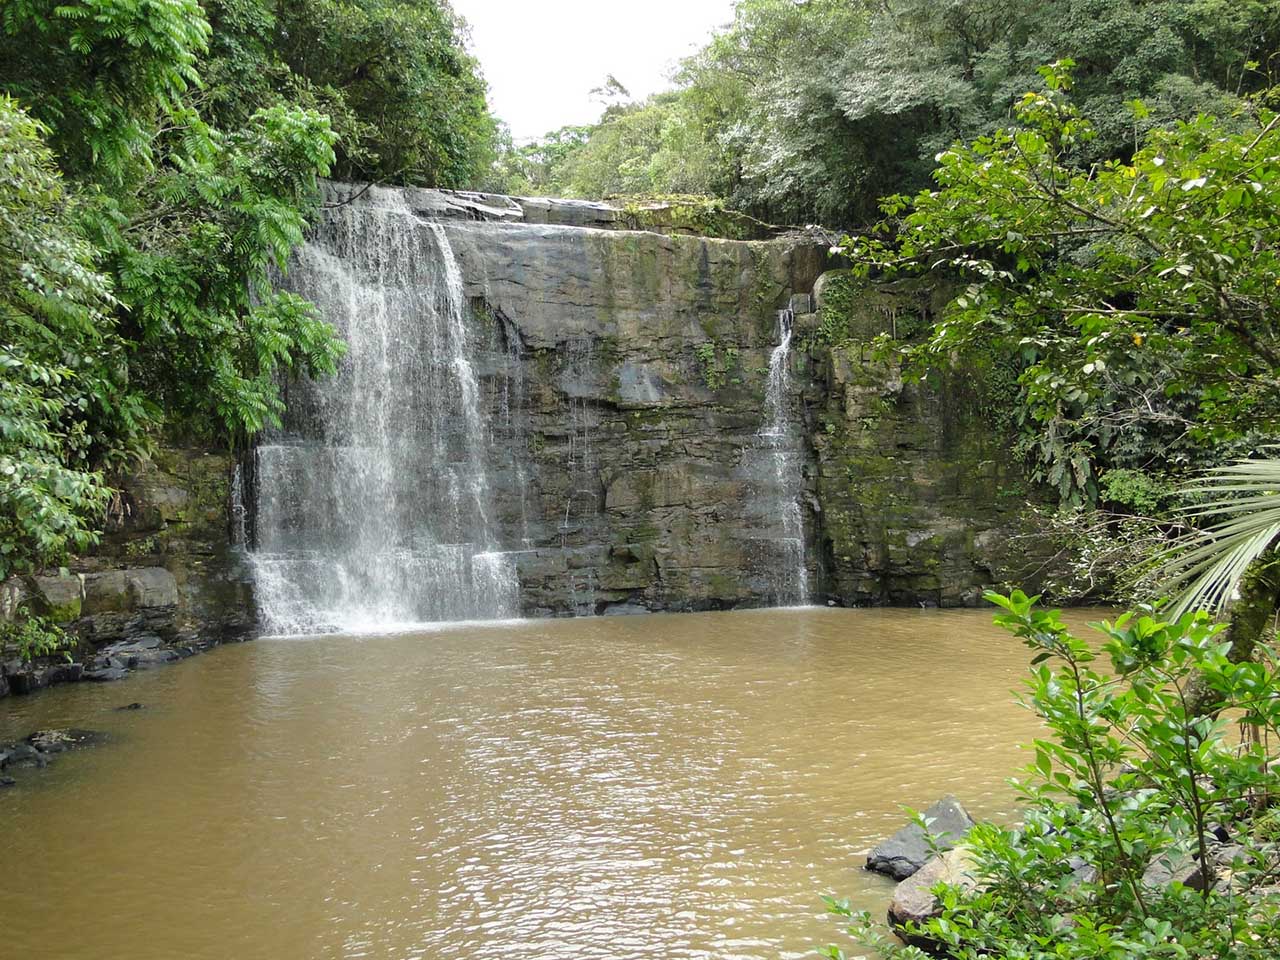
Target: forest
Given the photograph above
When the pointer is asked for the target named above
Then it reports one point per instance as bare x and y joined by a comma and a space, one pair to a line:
1082, 195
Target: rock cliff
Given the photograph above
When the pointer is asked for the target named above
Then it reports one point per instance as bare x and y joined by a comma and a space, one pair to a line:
625, 373
623, 360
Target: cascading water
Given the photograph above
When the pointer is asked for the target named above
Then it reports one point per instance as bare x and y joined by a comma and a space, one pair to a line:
373, 505
790, 576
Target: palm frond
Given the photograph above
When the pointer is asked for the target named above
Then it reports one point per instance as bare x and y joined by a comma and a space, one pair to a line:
1205, 566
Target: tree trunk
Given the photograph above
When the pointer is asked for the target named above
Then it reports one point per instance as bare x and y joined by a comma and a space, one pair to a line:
1249, 624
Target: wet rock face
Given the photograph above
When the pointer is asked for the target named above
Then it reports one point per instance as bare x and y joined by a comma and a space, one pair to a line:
166, 580
626, 375
922, 502
624, 365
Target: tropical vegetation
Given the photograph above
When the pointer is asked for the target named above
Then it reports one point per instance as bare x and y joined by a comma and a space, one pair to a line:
159, 161
810, 112
1149, 824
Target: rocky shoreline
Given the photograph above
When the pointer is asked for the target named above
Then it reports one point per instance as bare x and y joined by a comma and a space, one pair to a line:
932, 850
113, 662
118, 621
39, 748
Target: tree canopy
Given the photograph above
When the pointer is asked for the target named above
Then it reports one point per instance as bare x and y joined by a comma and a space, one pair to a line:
810, 112
160, 162
1138, 296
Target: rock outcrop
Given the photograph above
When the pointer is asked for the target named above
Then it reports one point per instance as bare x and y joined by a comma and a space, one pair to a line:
914, 901
629, 370
624, 361
911, 847
166, 581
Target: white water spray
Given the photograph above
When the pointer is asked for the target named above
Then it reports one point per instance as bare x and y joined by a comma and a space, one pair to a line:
373, 504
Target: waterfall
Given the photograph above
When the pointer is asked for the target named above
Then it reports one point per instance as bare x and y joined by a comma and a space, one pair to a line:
790, 576
373, 503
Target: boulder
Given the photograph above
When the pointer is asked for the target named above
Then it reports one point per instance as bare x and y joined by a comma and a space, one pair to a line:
65, 673
7, 782
25, 755
152, 587
1175, 865
56, 741
141, 653
106, 674
122, 591
1228, 856
58, 598
155, 658
106, 592
908, 850
913, 899
29, 680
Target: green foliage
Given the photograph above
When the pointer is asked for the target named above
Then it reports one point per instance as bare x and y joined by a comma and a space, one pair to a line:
716, 363
1135, 296
1131, 775
99, 73
839, 301
137, 246
1242, 502
536, 169
809, 112
403, 96
59, 385
1135, 490
35, 637
194, 262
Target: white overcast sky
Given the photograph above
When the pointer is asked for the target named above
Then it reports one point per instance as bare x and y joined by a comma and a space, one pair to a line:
543, 57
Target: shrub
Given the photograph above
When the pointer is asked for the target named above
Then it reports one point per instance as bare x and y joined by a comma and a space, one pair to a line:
1133, 775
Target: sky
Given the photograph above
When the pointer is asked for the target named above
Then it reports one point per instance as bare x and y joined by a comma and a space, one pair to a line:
543, 57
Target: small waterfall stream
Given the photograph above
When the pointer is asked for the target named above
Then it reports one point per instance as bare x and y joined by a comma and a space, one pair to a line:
373, 501
781, 440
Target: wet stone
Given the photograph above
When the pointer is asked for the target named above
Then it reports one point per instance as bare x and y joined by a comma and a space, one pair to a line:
106, 674
1174, 866
913, 898
25, 755
56, 741
909, 849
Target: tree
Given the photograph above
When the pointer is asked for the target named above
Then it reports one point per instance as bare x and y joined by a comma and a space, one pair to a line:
1139, 297
809, 112
138, 248
57, 366
405, 99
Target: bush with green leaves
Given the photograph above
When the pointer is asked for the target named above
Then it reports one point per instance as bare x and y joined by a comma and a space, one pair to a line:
1133, 773
138, 243
33, 636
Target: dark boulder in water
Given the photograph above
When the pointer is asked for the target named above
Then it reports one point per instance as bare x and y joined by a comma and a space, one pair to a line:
909, 849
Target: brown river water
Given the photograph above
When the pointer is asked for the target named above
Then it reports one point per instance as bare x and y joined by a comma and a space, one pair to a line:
667, 787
